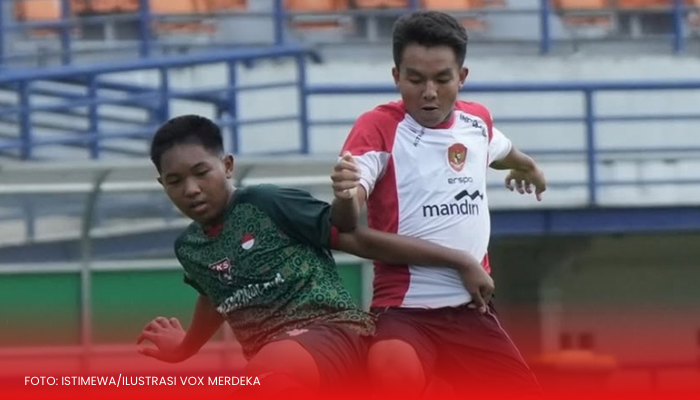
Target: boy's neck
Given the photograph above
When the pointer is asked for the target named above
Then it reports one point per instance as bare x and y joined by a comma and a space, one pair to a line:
212, 229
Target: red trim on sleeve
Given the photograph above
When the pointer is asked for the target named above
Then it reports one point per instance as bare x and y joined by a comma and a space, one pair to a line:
334, 237
480, 111
375, 130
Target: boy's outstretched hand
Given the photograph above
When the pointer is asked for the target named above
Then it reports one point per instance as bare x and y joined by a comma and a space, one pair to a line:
522, 182
167, 335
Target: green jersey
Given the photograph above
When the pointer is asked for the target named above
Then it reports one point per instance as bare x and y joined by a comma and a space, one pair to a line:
269, 269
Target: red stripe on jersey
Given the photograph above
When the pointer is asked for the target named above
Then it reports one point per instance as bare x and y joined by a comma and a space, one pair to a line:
375, 131
391, 282
486, 263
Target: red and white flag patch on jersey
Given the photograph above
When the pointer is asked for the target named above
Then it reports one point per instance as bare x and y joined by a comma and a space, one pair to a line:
248, 241
457, 156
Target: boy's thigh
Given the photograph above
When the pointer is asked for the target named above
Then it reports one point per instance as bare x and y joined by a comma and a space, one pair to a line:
338, 354
286, 359
477, 356
400, 330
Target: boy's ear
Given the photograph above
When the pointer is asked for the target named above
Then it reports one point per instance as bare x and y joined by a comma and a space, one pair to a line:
463, 73
396, 75
229, 165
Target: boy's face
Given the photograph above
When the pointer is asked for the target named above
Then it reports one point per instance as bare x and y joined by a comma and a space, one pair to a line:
197, 181
429, 79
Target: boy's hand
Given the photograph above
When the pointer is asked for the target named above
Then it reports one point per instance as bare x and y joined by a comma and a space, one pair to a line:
167, 336
480, 285
345, 177
523, 181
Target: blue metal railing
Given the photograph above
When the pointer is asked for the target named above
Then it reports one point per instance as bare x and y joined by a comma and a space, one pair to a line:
154, 98
590, 118
143, 19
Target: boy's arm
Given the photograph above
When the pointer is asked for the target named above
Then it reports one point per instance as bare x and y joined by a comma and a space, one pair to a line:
517, 160
349, 194
173, 343
397, 249
364, 160
524, 171
345, 212
206, 321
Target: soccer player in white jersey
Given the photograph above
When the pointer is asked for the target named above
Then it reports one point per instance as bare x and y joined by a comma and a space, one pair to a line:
420, 164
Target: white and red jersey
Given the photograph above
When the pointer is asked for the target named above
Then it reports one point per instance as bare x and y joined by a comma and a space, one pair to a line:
428, 183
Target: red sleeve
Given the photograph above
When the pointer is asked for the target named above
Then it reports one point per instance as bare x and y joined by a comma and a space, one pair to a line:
480, 111
374, 130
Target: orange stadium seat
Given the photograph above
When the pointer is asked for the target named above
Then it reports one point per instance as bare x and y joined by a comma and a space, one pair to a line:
128, 5
446, 4
79, 6
39, 11
382, 3
595, 18
693, 17
222, 5
643, 3
111, 6
325, 8
471, 22
193, 8
315, 5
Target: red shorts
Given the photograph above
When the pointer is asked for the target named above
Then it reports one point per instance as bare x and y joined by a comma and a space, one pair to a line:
469, 350
340, 354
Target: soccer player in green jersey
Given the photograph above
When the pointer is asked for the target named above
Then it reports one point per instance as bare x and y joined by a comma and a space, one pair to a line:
260, 258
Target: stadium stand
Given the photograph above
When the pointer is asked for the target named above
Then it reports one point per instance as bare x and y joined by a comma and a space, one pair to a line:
587, 13
621, 153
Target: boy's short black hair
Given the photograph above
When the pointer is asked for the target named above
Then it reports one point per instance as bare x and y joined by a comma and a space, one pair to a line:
429, 28
186, 129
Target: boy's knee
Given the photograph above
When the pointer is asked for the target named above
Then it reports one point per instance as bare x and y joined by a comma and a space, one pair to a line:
395, 370
285, 357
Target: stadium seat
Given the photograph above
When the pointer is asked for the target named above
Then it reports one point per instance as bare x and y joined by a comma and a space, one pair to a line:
446, 5
192, 8
325, 8
597, 17
111, 6
39, 11
78, 7
470, 22
382, 3
315, 5
643, 3
222, 5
